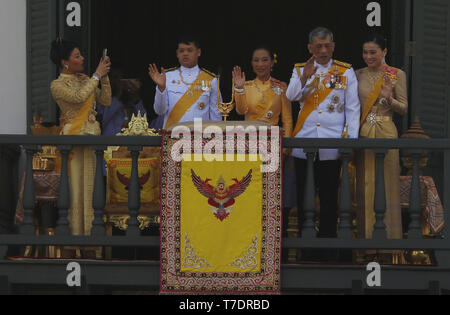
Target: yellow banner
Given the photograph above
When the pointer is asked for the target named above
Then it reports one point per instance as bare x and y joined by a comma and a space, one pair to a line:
187, 100
119, 175
221, 204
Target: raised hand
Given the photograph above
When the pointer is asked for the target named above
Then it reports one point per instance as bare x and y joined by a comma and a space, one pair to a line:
239, 77
159, 78
386, 89
103, 67
309, 70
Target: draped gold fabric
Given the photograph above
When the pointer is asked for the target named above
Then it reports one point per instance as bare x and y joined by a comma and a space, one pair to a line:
72, 94
365, 160
251, 104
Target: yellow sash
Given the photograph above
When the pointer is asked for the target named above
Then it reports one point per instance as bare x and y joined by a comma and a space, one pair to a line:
186, 101
82, 117
371, 99
314, 98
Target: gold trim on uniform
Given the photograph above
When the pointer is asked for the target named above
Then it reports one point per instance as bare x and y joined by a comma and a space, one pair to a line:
209, 72
300, 65
343, 64
172, 69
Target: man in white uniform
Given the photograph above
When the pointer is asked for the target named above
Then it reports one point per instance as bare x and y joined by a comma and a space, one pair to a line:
187, 92
328, 94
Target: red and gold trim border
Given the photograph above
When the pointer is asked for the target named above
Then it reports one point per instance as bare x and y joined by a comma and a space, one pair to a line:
173, 281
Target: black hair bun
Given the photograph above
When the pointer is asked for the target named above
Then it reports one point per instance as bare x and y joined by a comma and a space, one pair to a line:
61, 50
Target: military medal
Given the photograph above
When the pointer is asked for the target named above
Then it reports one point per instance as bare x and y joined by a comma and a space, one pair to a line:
201, 106
336, 99
277, 90
327, 82
205, 87
340, 108
269, 115
321, 85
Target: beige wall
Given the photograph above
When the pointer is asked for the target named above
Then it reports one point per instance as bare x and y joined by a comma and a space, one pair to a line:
13, 92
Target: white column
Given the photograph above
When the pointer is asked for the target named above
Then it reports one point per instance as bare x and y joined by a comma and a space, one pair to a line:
13, 65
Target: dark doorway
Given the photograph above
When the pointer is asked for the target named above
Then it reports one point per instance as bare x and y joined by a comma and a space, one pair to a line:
141, 32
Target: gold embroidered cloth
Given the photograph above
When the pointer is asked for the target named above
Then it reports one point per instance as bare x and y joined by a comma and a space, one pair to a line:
221, 226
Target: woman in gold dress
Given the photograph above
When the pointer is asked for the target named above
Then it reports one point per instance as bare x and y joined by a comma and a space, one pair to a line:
264, 99
77, 95
382, 92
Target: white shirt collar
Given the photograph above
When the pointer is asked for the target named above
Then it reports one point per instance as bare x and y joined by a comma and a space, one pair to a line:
324, 67
192, 71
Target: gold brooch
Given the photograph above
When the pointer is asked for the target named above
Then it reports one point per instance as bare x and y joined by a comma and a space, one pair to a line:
336, 99
331, 108
372, 119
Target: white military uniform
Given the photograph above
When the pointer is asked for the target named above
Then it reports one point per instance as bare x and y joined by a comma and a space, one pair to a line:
328, 121
177, 85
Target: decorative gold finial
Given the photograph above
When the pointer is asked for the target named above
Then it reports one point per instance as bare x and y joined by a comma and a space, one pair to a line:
225, 108
138, 126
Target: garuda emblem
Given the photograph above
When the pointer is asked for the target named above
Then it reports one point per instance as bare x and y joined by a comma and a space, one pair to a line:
221, 198
126, 181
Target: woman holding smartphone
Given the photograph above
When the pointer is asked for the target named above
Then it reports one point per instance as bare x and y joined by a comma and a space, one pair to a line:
77, 95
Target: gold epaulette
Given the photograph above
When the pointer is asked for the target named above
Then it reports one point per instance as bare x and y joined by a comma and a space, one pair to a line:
343, 64
300, 65
209, 72
172, 69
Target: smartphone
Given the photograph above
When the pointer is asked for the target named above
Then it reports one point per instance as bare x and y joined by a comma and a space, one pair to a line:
105, 53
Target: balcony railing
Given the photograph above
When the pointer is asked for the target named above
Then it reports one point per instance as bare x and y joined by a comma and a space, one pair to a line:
294, 277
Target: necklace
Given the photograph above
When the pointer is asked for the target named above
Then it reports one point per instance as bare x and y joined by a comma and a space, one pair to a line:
190, 94
374, 77
263, 93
